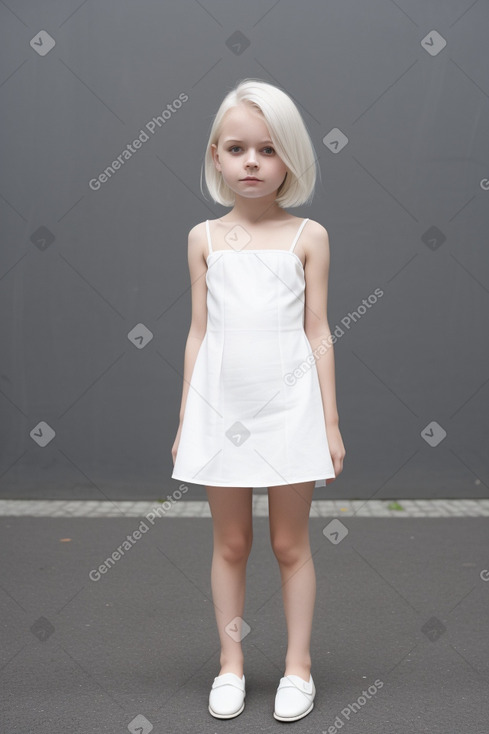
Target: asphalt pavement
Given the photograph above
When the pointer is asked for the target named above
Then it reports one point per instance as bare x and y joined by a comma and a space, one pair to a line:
109, 626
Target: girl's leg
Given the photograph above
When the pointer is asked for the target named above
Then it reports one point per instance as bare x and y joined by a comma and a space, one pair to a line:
288, 510
232, 517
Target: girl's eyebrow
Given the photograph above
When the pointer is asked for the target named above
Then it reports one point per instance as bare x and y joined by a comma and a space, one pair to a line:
235, 140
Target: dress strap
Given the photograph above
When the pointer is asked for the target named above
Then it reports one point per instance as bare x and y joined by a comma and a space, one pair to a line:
208, 235
298, 234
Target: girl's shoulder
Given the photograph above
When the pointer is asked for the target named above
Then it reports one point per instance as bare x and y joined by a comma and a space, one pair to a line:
197, 228
197, 242
313, 236
316, 238
315, 227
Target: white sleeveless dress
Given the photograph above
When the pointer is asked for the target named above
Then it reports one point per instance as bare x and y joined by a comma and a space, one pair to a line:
254, 415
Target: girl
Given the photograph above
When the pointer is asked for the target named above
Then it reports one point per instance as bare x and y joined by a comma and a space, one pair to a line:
258, 403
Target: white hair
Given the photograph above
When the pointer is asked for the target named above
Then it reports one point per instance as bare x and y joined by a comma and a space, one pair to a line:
288, 133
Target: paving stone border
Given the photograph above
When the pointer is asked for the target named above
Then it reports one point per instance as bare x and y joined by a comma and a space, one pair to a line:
189, 508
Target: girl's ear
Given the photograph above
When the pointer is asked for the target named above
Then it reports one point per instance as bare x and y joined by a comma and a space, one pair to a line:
215, 156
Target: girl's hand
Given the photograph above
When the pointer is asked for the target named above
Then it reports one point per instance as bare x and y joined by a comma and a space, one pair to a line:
336, 449
174, 448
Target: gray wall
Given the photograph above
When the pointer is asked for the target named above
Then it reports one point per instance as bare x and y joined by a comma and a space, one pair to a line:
82, 269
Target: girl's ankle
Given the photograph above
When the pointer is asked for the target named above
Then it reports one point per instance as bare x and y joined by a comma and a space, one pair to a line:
232, 669
302, 668
302, 671
232, 666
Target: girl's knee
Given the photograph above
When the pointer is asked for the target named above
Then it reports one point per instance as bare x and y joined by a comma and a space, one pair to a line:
234, 548
288, 552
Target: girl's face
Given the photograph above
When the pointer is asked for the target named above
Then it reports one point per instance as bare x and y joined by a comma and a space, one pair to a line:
244, 149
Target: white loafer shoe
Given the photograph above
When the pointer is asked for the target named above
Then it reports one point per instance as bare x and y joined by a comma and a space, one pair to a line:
227, 695
294, 698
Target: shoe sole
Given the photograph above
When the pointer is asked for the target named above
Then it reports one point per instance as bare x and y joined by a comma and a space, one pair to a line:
294, 718
227, 716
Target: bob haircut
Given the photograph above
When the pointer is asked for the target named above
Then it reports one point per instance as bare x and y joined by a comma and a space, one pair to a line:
288, 134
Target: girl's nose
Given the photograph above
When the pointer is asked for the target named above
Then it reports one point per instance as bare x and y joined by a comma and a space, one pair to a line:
251, 159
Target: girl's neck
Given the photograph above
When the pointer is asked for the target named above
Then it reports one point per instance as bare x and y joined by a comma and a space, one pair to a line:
257, 211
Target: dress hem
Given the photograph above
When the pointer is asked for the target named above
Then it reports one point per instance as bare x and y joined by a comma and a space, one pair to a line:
255, 485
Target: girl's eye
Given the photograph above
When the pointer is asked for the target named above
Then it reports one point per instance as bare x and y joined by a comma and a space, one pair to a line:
233, 147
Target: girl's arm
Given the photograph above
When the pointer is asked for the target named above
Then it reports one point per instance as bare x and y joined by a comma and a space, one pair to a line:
198, 326
315, 315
